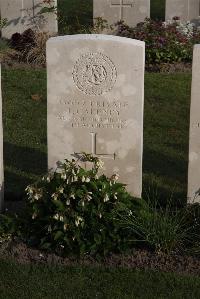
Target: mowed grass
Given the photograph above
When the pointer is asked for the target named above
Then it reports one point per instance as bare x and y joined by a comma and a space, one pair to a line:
43, 282
166, 127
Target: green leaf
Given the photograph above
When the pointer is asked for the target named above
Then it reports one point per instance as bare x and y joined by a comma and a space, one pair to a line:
58, 235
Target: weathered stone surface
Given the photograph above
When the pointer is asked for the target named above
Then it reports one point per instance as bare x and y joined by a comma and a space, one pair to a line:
24, 14
194, 143
187, 10
131, 11
95, 102
1, 153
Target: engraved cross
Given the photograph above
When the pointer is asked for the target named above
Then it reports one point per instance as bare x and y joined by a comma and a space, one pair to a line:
94, 149
121, 5
24, 9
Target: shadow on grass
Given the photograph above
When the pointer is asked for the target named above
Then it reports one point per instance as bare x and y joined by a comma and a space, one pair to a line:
164, 176
23, 166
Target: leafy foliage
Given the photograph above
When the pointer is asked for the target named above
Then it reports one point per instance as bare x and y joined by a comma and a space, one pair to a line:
70, 210
7, 228
166, 42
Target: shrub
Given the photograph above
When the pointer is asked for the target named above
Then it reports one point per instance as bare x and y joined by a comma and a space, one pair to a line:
166, 42
70, 210
23, 41
31, 46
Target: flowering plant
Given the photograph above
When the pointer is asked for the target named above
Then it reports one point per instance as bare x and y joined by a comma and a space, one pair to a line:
71, 209
166, 42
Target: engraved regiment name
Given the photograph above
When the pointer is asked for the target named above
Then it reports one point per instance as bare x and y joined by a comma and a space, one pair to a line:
93, 114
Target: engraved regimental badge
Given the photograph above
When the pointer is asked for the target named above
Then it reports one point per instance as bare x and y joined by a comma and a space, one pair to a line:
94, 73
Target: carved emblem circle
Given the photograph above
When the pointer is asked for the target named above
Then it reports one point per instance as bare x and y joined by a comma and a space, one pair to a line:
94, 73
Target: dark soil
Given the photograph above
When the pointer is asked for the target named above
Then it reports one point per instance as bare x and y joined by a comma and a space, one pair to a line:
169, 68
138, 259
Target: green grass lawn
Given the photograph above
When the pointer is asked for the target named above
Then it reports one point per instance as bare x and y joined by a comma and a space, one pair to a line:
166, 126
42, 282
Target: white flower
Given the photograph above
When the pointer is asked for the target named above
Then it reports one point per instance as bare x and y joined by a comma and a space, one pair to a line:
29, 190
63, 176
56, 217
78, 221
88, 196
130, 213
48, 179
83, 179
114, 177
68, 202
115, 195
61, 218
34, 215
54, 196
72, 196
37, 196
100, 163
96, 176
61, 190
100, 215
106, 198
87, 180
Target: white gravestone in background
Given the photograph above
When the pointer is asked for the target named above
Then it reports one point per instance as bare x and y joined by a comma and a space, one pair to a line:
131, 11
194, 143
1, 153
187, 10
95, 102
25, 14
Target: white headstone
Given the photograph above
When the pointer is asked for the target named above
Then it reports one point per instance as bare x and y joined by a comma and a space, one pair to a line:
131, 11
25, 14
186, 10
95, 102
1, 153
194, 143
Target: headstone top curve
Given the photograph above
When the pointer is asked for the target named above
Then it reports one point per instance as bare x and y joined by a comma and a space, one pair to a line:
100, 37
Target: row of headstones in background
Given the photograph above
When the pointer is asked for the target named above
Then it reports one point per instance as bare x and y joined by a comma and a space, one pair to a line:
187, 10
25, 14
135, 11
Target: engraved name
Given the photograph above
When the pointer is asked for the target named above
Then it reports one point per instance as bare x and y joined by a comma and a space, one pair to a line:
93, 114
